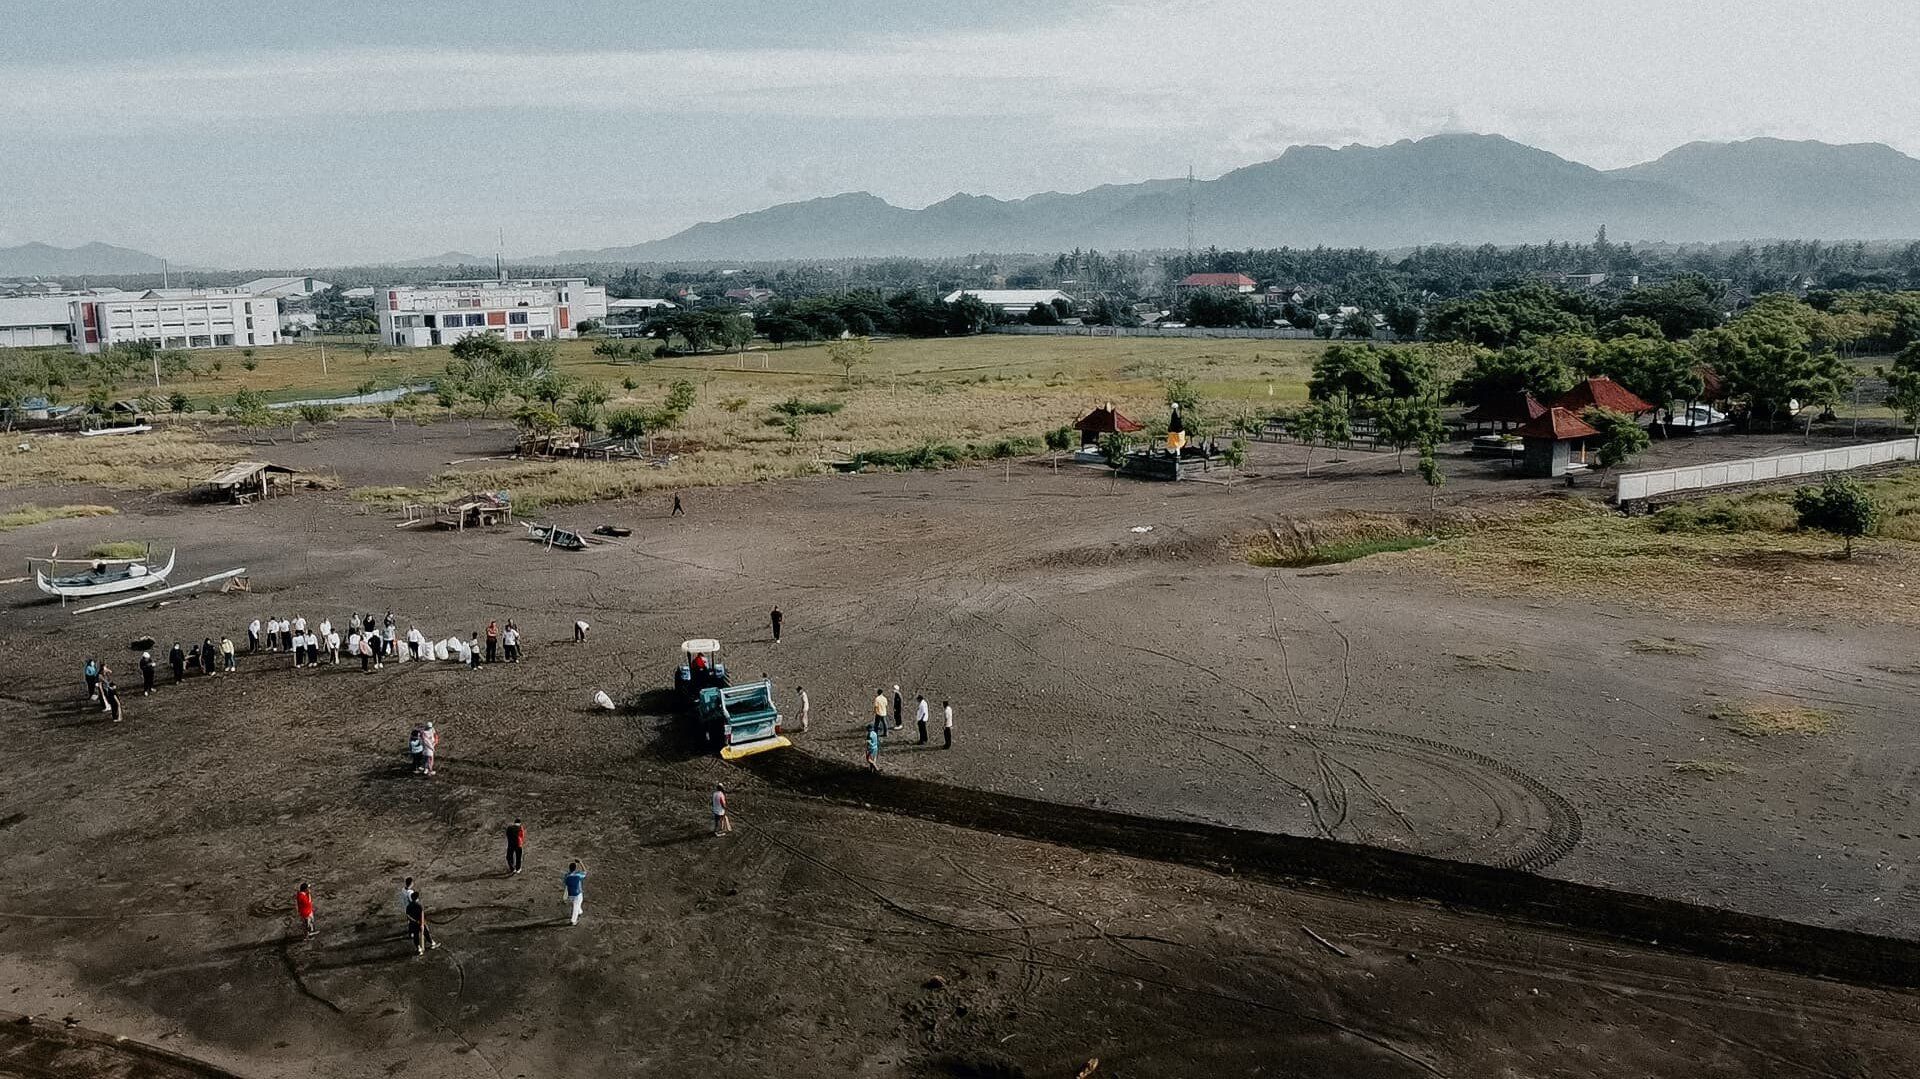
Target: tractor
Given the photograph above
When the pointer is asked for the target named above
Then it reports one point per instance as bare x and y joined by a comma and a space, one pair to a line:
739, 720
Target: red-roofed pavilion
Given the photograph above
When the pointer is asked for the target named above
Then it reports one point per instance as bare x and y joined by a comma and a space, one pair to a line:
1104, 420
1602, 392
1549, 440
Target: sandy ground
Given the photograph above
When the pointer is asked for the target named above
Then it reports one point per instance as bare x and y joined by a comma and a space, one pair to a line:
152, 863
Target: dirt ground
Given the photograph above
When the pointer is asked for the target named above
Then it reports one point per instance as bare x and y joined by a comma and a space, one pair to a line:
152, 863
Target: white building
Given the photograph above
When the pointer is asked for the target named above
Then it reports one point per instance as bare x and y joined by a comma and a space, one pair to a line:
443, 312
1010, 301
285, 287
174, 318
640, 308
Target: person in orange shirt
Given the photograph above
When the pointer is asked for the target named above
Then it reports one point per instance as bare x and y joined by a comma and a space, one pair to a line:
303, 906
493, 639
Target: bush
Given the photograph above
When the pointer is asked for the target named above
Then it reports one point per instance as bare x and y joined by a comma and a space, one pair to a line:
1726, 515
1839, 506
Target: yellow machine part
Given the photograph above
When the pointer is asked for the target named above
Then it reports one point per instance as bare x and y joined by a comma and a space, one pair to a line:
734, 753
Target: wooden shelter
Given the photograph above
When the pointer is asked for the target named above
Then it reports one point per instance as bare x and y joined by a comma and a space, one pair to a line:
244, 481
483, 510
1102, 421
1549, 442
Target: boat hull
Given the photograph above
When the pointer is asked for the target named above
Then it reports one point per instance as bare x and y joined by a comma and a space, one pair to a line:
67, 589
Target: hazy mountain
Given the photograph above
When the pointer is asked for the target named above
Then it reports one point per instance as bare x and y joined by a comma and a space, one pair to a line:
1772, 187
447, 258
44, 260
1445, 188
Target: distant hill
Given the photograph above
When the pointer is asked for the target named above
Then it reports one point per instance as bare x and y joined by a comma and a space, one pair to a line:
1772, 187
446, 258
45, 260
1445, 188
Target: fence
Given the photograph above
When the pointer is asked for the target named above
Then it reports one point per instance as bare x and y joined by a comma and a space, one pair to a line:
1638, 486
1273, 333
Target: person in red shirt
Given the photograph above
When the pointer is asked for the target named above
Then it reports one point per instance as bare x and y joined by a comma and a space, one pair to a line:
303, 906
516, 844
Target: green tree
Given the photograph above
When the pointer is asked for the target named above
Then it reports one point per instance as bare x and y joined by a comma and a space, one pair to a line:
1431, 475
549, 388
487, 390
850, 353
531, 420
1407, 422
1350, 374
1059, 440
1498, 318
1218, 307
1540, 370
479, 349
313, 416
1322, 421
680, 397
1620, 436
249, 410
177, 403
1839, 506
1770, 359
1043, 314
628, 424
1659, 371
1903, 385
1680, 307
583, 415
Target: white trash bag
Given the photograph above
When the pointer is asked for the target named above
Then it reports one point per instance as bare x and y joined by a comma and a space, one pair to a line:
600, 698
440, 650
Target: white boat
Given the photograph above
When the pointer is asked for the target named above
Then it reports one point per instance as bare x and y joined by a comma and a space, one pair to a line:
105, 578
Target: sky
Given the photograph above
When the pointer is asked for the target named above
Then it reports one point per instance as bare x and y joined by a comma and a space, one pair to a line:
269, 135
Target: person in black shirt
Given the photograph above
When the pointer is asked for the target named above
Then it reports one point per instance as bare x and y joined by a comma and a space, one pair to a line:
146, 674
417, 925
178, 660
776, 625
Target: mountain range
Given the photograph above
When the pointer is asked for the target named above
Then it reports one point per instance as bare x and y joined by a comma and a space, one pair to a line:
43, 260
1451, 188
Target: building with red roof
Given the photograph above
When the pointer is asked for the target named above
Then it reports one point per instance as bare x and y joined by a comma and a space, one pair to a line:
1548, 441
1602, 392
1233, 282
1104, 420
1508, 409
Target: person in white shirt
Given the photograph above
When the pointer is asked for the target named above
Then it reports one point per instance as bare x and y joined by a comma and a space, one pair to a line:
579, 631
333, 645
300, 624
253, 636
414, 641
299, 650
406, 900
920, 715
948, 708
511, 639
806, 707
386, 649
721, 821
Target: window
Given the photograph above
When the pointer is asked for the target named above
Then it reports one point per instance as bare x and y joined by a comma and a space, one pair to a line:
249, 339
432, 324
249, 307
223, 340
538, 334
476, 320
199, 340
399, 338
519, 335
249, 322
518, 318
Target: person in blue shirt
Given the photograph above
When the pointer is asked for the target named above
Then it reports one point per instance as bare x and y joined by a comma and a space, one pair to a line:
92, 672
576, 882
873, 747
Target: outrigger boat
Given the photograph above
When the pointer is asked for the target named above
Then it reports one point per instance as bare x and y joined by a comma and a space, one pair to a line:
555, 536
102, 577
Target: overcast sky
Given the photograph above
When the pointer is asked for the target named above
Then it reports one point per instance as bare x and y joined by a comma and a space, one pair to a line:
268, 134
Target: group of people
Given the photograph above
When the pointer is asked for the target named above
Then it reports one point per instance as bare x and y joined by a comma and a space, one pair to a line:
573, 884
881, 713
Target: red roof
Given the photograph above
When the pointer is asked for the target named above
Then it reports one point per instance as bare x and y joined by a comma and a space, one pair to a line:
1519, 406
1602, 392
1217, 280
1105, 419
1559, 425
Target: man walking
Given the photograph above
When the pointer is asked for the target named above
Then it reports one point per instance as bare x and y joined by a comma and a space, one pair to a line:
177, 659
430, 742
146, 674
920, 715
678, 510
576, 885
721, 822
511, 639
947, 707
873, 747
776, 625
516, 844
303, 907
226, 649
879, 712
899, 719
493, 639
806, 708
417, 925
406, 902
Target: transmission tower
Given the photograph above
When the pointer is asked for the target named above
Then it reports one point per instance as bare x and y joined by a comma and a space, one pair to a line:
1189, 216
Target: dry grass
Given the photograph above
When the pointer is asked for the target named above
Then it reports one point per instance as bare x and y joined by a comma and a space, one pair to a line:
1504, 660
538, 484
1664, 646
1708, 769
23, 516
167, 460
1762, 719
117, 549
1578, 549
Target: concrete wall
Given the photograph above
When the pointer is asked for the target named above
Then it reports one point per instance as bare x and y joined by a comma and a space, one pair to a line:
1636, 486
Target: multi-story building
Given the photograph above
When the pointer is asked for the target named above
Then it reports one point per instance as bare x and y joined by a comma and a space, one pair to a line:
175, 318
443, 312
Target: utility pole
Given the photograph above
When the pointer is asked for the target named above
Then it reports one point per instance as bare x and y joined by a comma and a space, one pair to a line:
1189, 218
